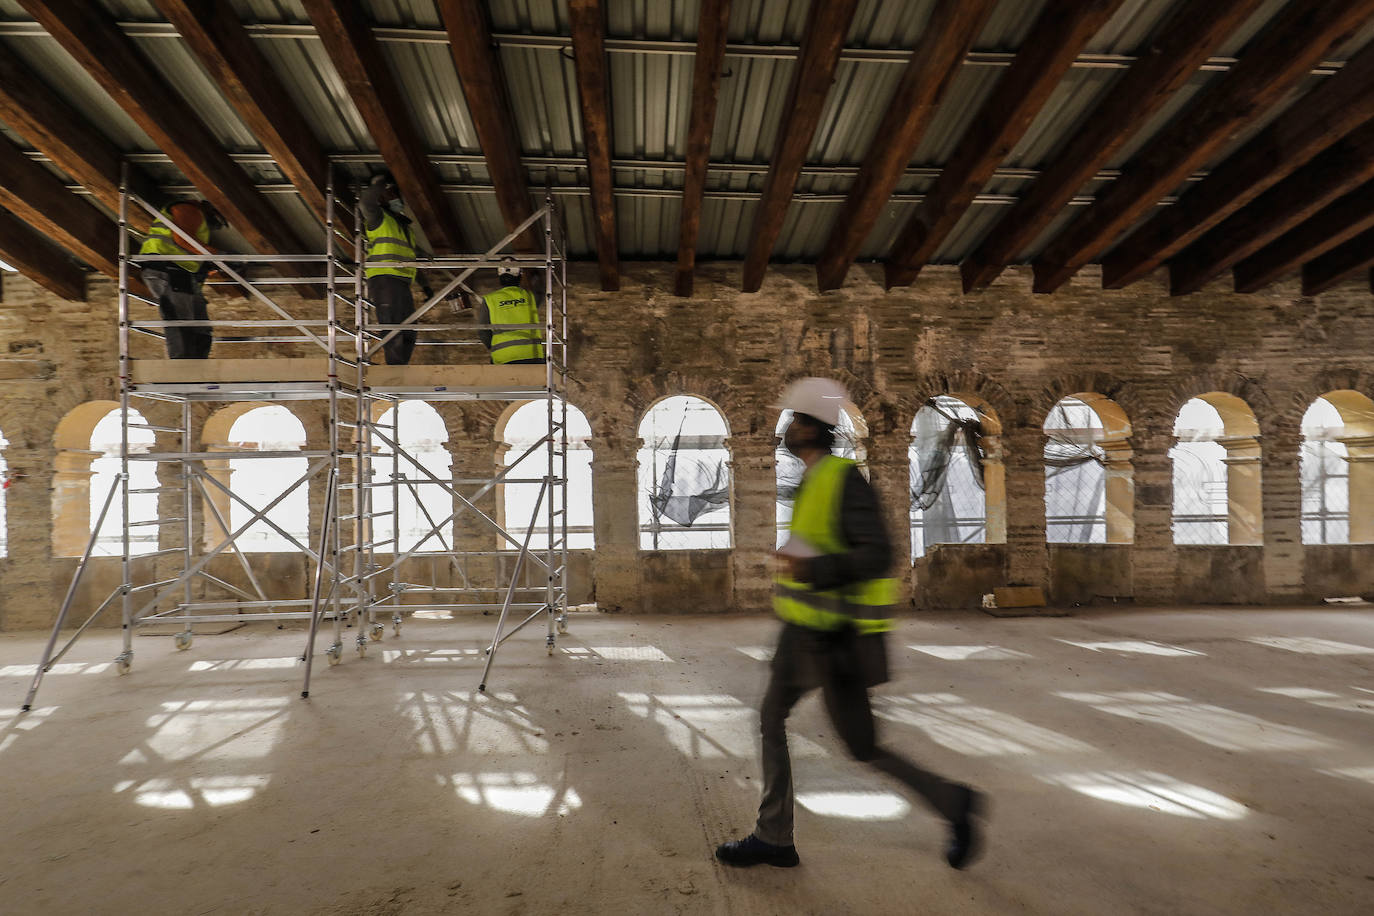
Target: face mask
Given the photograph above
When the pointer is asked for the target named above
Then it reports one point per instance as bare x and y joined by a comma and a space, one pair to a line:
396, 205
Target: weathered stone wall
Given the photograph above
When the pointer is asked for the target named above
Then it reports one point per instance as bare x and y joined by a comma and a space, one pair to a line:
1016, 351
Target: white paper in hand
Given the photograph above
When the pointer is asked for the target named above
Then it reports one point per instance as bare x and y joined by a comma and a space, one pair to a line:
798, 547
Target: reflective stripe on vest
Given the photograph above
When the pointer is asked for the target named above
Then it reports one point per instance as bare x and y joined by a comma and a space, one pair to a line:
392, 240
816, 520
513, 305
162, 240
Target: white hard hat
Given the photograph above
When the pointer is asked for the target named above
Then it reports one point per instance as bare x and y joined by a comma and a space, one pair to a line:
822, 398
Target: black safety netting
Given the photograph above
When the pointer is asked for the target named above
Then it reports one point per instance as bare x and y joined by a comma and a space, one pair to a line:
1075, 475
689, 486
940, 433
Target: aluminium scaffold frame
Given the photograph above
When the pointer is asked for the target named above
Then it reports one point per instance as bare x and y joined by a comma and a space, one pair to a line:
353, 582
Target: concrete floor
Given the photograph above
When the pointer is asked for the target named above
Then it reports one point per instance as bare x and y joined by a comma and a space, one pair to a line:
1138, 762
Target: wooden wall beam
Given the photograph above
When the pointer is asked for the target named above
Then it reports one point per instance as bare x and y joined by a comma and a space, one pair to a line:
346, 34
935, 62
478, 62
1059, 33
28, 252
711, 37
1255, 231
827, 26
1332, 110
1275, 62
588, 21
1184, 42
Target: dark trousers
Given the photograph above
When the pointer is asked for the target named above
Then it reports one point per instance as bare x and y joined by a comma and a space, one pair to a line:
392, 298
179, 298
804, 661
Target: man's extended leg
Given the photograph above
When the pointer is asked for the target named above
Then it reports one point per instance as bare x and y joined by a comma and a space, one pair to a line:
846, 700
395, 303
199, 339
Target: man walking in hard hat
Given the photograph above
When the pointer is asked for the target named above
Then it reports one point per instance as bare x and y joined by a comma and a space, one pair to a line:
178, 285
390, 243
511, 304
834, 597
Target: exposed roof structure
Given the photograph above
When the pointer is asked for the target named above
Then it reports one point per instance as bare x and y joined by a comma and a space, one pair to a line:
1203, 135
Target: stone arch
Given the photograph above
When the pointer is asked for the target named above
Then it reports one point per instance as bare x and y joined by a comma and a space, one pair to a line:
1337, 465
1239, 438
957, 496
216, 436
1110, 447
579, 507
71, 479
713, 457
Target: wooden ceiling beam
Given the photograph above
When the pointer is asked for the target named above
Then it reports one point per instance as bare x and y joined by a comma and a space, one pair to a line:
588, 21
712, 34
1279, 58
1339, 264
347, 36
1183, 44
32, 193
1059, 33
223, 46
40, 260
1257, 232
935, 62
827, 25
1328, 113
92, 37
478, 62
1333, 226
60, 132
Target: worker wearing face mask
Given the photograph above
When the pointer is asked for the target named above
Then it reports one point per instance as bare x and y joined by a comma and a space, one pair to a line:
390, 243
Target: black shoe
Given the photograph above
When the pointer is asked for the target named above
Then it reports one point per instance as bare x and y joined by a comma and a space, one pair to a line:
753, 851
965, 839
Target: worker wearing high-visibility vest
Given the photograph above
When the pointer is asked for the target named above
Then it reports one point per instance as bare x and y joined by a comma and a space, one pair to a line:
512, 304
390, 243
178, 284
834, 596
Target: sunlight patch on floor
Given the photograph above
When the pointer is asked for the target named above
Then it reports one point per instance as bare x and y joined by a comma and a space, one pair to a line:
1154, 791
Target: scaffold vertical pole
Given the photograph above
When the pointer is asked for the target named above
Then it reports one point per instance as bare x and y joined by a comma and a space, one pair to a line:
124, 661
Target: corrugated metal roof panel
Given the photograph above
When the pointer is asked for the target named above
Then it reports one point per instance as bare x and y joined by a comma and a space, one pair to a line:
304, 69
434, 96
651, 101
543, 93
750, 108
966, 95
883, 24
1009, 24
65, 77
1072, 101
853, 110
765, 21
181, 72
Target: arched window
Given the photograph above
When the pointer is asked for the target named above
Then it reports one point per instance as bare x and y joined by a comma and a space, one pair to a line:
258, 481
529, 424
684, 477
1336, 469
421, 505
1216, 472
948, 475
848, 444
143, 532
1325, 470
4, 491
1089, 494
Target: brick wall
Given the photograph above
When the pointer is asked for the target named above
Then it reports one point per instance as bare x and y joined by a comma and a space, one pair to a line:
1019, 352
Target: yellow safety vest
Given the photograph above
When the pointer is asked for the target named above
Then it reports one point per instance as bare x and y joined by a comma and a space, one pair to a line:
513, 305
392, 240
162, 240
816, 520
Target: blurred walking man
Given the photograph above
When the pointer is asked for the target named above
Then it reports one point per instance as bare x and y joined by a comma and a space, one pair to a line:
834, 597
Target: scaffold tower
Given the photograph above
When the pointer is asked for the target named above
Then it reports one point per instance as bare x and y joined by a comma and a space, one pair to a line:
325, 345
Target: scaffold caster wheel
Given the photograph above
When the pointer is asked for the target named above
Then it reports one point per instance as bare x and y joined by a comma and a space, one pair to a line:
124, 663
377, 632
362, 648
334, 653
562, 626
396, 624
549, 645
183, 640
